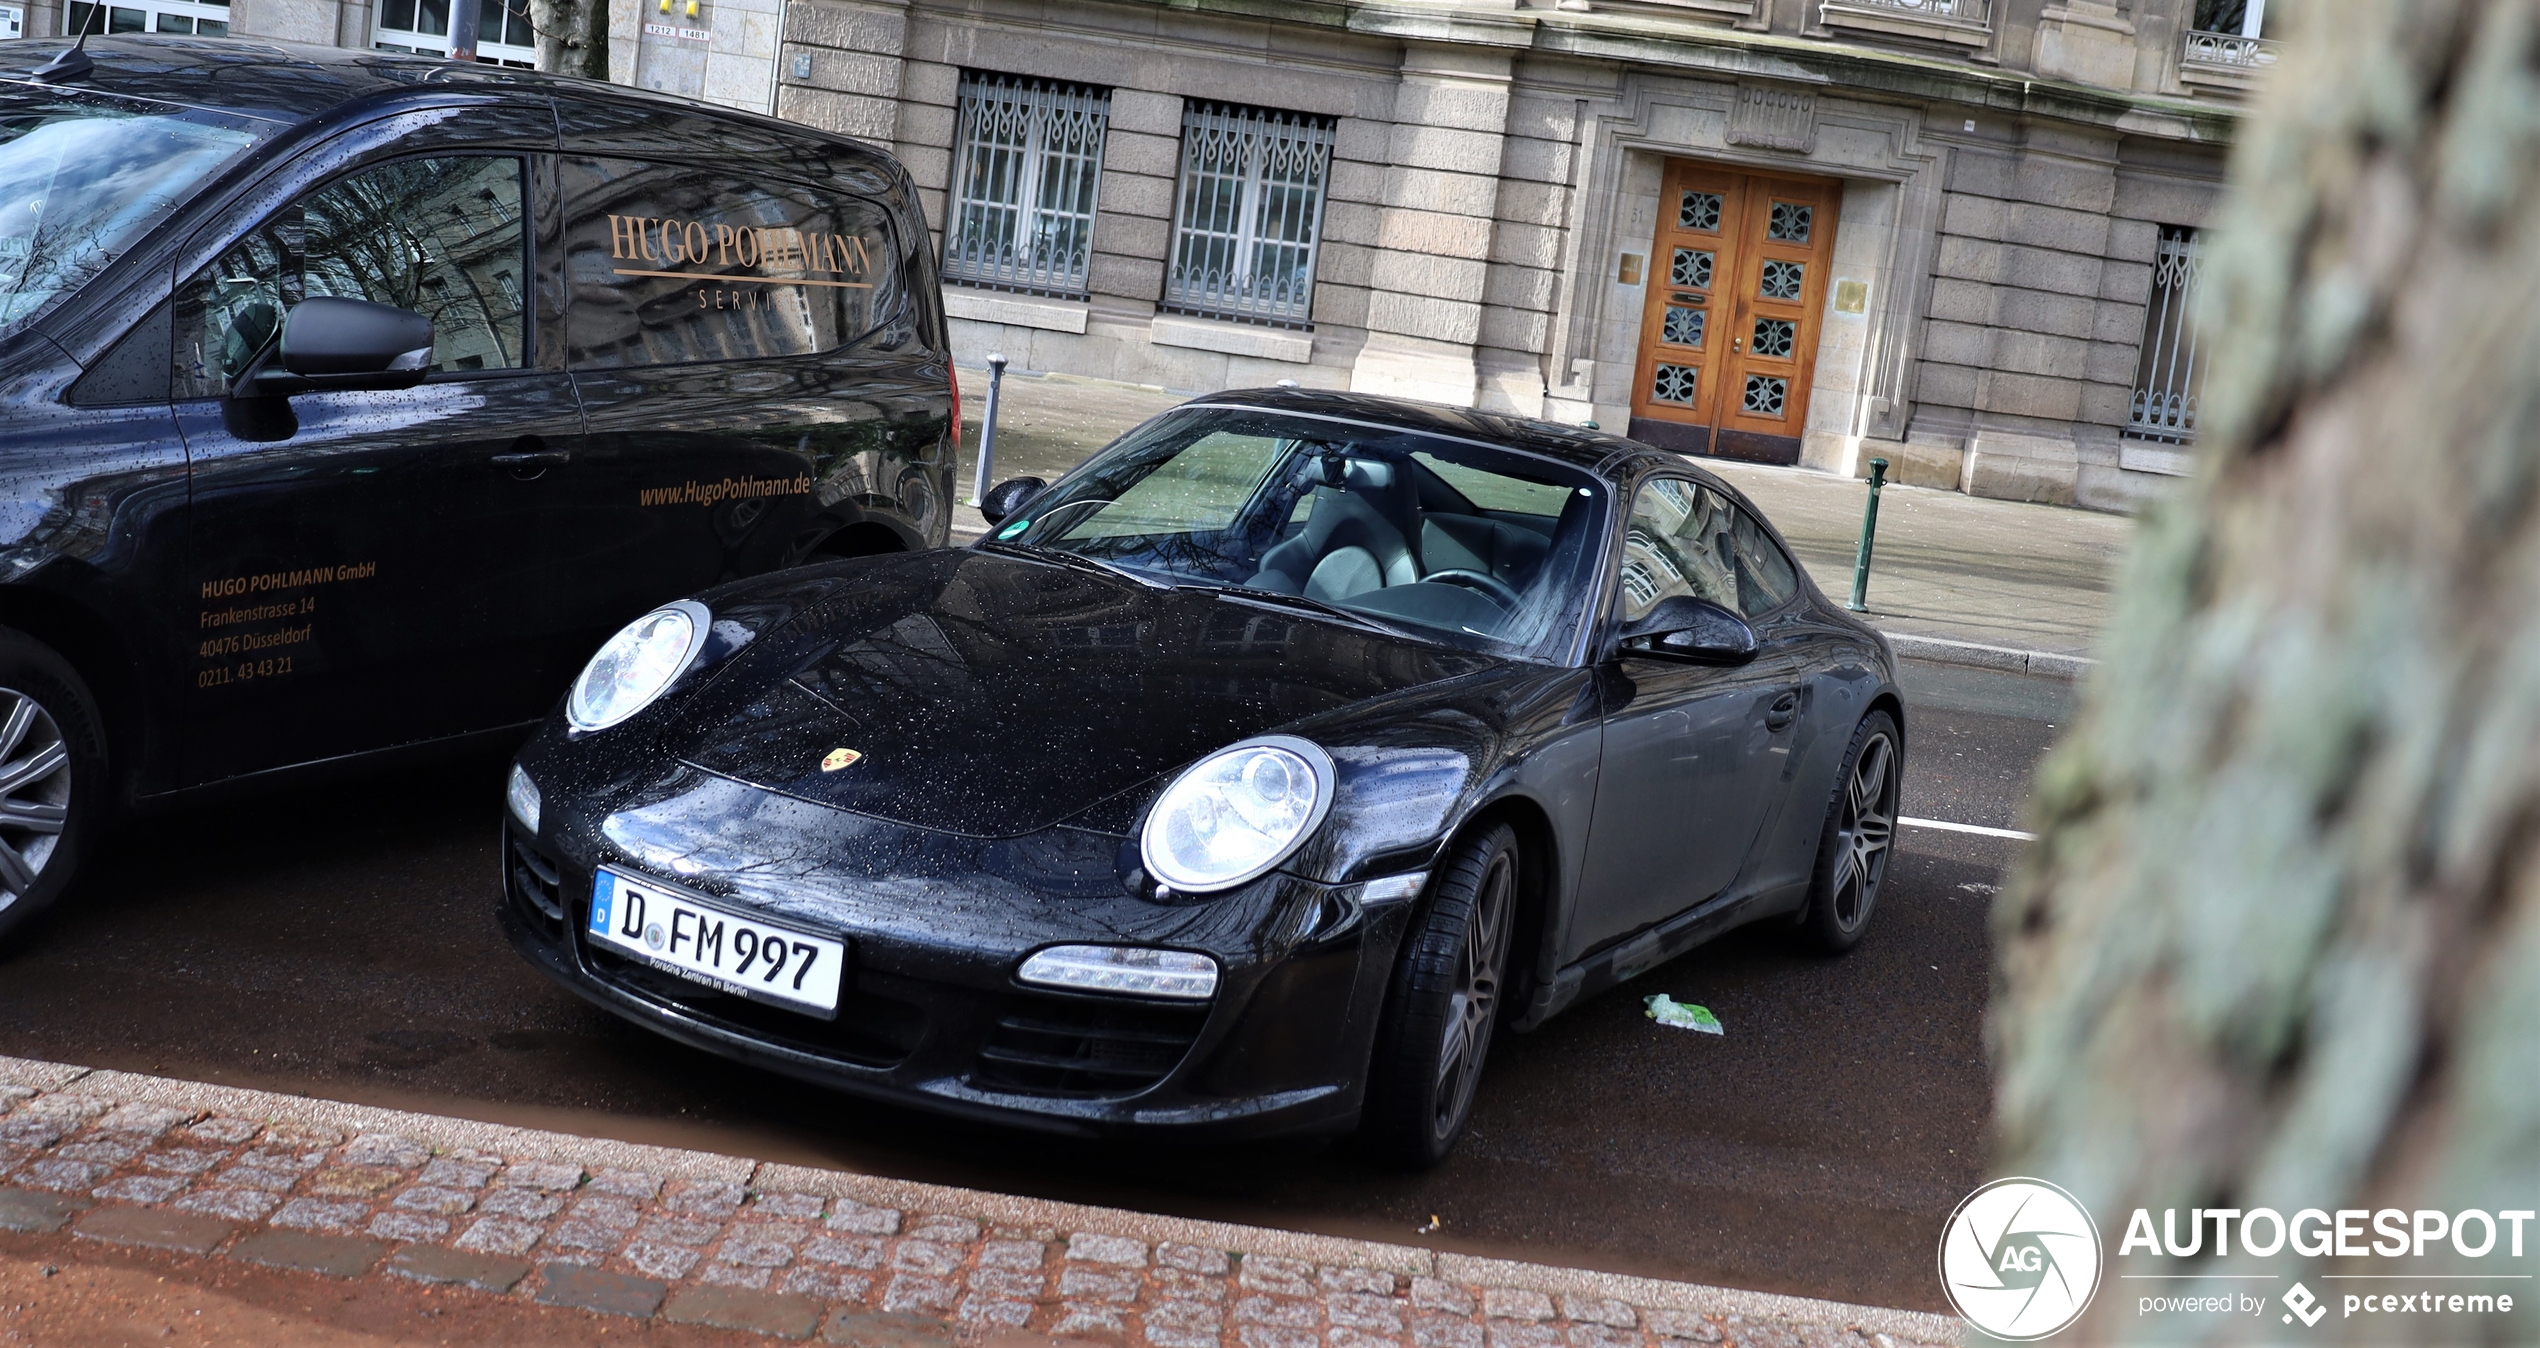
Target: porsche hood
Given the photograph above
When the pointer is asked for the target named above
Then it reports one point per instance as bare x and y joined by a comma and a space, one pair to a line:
992, 695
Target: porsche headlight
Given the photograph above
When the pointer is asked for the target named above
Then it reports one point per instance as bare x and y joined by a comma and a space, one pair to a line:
1237, 813
635, 666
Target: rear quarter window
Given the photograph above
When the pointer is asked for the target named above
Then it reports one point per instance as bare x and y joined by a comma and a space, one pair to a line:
675, 263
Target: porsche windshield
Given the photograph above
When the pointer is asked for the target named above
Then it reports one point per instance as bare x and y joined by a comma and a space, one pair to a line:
82, 177
1446, 539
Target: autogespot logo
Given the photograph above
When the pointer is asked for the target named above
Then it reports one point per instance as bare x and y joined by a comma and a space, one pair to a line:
2020, 1259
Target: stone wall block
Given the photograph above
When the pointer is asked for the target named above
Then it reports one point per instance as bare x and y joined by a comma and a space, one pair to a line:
2044, 269
2111, 321
1962, 301
848, 72
823, 23
1427, 232
1446, 278
1447, 148
1351, 181
2105, 404
1353, 222
1466, 107
1969, 260
1545, 204
1132, 235
930, 82
2055, 227
929, 165
1945, 385
1530, 160
1428, 190
1343, 264
2063, 182
2045, 397
1342, 305
1515, 329
1973, 217
2112, 363
1980, 170
1152, 114
2045, 311
1138, 152
1527, 245
2039, 353
2126, 282
1521, 288
1423, 316
2133, 240
2162, 199
1136, 194
1552, 119
923, 124
845, 114
1130, 278
1957, 344
1365, 139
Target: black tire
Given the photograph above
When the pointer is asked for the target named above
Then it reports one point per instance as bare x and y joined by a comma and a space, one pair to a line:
53, 783
1445, 1000
1860, 832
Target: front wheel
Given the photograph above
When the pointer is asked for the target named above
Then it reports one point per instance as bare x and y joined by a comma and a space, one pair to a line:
1860, 825
1444, 1002
52, 777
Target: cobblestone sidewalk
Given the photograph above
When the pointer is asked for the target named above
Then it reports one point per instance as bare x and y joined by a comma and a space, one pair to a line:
690, 1237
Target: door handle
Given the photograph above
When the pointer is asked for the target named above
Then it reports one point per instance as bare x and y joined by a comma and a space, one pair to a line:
534, 458
1785, 709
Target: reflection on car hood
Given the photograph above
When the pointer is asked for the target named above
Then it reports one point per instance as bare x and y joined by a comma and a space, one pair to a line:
994, 695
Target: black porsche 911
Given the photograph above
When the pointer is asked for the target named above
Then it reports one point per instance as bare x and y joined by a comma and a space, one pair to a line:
1242, 781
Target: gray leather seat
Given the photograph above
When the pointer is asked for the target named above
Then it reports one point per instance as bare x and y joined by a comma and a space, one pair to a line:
1357, 538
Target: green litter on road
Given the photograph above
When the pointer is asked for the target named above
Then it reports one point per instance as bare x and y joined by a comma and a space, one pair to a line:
1682, 1015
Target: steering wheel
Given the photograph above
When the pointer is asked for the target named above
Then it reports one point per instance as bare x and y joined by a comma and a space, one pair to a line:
1492, 587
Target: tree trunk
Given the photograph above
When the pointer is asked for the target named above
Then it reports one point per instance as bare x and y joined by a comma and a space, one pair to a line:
2278, 944
573, 36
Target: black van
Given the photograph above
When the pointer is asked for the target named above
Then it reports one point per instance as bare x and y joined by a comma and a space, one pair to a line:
349, 400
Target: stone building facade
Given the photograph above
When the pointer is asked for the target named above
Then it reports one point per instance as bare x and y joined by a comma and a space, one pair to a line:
1959, 234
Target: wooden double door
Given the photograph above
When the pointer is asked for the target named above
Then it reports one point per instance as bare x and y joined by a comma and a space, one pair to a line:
1737, 289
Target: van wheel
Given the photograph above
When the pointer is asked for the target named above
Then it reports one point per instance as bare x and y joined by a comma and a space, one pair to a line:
1445, 1001
52, 778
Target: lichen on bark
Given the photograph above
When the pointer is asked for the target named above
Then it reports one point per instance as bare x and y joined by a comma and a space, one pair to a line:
2278, 944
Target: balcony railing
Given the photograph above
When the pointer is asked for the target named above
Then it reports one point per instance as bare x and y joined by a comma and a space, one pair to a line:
2229, 51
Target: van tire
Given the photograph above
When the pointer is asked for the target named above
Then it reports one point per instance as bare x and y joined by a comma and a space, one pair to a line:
54, 789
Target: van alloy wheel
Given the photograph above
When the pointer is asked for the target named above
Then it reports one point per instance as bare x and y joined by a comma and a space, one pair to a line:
35, 792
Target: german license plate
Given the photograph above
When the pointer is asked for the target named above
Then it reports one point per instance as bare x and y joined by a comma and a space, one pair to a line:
744, 956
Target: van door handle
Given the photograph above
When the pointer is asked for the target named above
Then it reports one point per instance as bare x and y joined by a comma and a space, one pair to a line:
1785, 709
535, 458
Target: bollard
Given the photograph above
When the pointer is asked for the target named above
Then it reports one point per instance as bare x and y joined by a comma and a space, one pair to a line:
1869, 535
979, 483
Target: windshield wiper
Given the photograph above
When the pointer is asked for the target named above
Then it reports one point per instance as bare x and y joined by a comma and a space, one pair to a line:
1080, 562
1281, 598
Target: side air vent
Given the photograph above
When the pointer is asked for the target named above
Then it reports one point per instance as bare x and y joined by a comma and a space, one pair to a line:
1085, 1045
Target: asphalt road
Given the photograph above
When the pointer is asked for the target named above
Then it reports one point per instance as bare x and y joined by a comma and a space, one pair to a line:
339, 941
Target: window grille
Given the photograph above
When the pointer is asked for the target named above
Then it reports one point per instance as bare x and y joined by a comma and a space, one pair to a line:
1250, 214
2170, 372
1023, 208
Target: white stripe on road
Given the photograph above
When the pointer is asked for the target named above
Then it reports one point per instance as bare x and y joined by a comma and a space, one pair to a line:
1946, 827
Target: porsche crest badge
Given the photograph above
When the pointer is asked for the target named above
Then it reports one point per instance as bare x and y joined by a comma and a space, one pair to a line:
839, 758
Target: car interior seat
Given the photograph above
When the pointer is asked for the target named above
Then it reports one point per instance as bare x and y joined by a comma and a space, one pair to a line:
1357, 537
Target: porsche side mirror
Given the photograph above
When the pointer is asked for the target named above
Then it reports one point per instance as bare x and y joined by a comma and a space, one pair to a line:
1696, 631
332, 344
1008, 497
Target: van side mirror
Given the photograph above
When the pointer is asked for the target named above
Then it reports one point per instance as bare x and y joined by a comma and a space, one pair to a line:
1695, 631
332, 344
1007, 497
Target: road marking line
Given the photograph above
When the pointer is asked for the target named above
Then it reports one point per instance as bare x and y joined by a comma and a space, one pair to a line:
1946, 827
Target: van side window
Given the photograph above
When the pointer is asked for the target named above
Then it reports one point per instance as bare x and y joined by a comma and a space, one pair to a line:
442, 237
668, 263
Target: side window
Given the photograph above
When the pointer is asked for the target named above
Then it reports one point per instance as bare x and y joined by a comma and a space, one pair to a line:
1678, 543
442, 237
672, 263
1765, 578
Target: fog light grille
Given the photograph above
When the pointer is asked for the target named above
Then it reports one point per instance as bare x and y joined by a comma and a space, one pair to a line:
1085, 1046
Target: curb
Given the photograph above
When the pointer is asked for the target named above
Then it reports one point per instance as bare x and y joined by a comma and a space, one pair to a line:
2009, 659
80, 1108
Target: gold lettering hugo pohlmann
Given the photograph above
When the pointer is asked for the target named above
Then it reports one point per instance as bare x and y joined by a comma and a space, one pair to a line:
645, 238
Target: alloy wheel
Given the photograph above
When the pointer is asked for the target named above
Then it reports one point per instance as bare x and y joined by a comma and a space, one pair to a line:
1474, 1005
35, 792
1867, 824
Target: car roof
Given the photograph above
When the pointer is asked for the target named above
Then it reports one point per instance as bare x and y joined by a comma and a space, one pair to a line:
295, 82
1608, 455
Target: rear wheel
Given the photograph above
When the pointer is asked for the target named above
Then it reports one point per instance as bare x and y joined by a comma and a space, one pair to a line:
1860, 825
52, 777
1444, 1003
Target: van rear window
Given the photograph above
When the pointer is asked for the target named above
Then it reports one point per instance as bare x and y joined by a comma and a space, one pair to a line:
672, 263
82, 179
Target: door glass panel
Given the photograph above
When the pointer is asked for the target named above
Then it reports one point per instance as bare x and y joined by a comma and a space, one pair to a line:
1790, 222
1774, 336
1766, 580
1678, 543
1675, 384
1765, 395
441, 237
1682, 326
1691, 268
1699, 211
1782, 280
